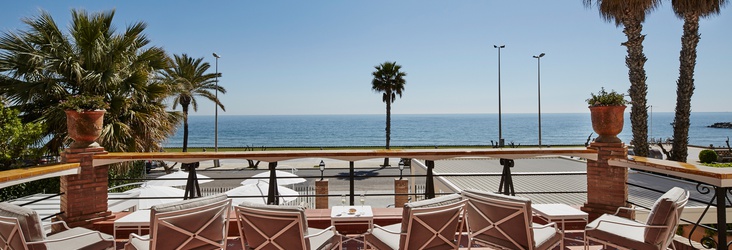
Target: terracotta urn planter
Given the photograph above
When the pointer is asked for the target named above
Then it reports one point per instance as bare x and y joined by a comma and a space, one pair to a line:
84, 127
607, 121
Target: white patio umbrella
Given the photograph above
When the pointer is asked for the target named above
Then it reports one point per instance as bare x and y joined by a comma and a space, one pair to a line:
156, 191
280, 181
260, 189
179, 178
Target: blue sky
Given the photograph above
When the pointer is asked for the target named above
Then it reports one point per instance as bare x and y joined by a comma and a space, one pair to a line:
316, 57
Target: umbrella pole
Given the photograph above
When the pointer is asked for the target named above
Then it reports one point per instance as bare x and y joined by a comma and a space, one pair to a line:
272, 198
193, 190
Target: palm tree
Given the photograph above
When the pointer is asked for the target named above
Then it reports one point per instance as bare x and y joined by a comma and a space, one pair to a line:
690, 11
189, 79
389, 81
631, 14
43, 66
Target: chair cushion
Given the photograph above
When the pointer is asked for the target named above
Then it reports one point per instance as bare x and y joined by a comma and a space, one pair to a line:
545, 238
179, 205
628, 236
91, 241
381, 239
481, 193
29, 222
138, 244
661, 214
325, 240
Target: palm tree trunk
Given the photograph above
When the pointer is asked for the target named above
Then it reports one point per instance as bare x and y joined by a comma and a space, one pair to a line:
635, 60
388, 126
185, 128
685, 87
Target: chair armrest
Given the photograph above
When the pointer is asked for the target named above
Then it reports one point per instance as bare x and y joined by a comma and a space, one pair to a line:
330, 228
629, 209
551, 224
624, 224
66, 226
136, 236
71, 237
386, 230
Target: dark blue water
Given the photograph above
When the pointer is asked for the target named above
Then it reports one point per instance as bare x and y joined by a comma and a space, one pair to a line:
425, 130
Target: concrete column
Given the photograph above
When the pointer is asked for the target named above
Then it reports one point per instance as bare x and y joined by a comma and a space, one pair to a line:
85, 195
401, 187
606, 185
321, 188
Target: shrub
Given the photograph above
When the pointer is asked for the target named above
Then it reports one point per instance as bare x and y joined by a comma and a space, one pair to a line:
84, 103
707, 156
604, 98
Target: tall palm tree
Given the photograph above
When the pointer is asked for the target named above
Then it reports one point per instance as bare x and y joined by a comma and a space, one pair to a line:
189, 79
631, 14
389, 81
690, 11
43, 66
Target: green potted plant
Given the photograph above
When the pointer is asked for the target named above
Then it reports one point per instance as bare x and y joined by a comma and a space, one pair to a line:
82, 103
606, 110
84, 119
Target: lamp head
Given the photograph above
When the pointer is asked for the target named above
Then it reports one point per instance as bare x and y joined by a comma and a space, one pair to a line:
499, 46
216, 55
322, 165
401, 164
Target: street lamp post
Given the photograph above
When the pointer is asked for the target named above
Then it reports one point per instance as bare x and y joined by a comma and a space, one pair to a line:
216, 114
322, 169
401, 168
538, 70
500, 132
651, 128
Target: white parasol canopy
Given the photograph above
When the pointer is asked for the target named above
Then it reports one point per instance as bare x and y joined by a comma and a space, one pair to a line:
179, 179
280, 181
260, 189
156, 191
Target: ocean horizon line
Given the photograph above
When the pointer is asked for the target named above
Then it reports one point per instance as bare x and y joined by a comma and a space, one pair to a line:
411, 114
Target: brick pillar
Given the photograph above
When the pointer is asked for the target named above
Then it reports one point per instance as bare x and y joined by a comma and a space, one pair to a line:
321, 188
401, 187
606, 185
85, 194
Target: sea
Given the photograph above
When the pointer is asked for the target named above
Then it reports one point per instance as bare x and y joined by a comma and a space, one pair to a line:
427, 130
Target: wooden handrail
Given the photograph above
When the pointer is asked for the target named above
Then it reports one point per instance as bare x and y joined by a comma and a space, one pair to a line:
345, 155
22, 175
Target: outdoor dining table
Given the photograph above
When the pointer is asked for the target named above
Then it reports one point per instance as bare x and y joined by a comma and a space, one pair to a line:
317, 218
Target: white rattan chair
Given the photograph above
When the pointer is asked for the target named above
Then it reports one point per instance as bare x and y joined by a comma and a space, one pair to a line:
200, 223
281, 227
428, 224
506, 222
656, 233
20, 228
